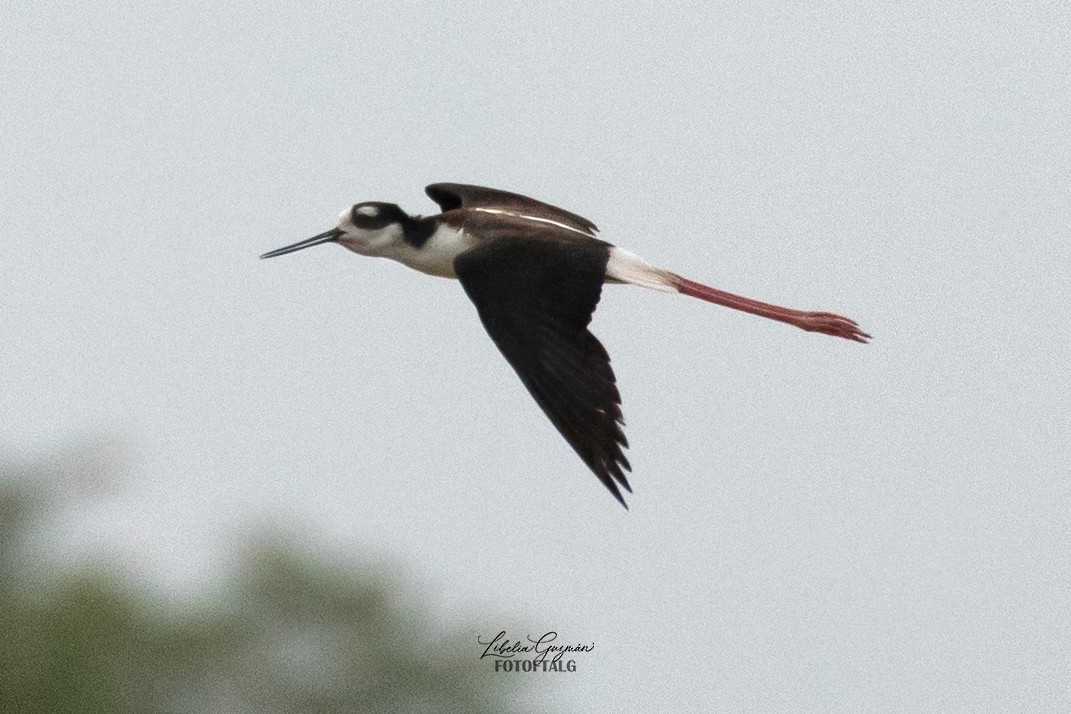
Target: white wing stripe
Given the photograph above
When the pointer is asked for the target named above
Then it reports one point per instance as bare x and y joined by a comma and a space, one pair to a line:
533, 218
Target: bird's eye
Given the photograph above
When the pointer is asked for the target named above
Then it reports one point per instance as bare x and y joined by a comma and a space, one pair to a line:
373, 216
366, 215
370, 211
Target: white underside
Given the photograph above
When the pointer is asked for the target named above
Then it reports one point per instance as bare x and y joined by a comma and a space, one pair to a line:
626, 267
436, 257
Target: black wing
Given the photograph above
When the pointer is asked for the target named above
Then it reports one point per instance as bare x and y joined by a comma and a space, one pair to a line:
535, 298
451, 196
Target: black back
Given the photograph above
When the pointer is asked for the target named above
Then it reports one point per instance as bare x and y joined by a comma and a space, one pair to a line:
452, 196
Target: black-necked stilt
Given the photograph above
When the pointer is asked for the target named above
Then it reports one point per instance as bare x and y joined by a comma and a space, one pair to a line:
535, 273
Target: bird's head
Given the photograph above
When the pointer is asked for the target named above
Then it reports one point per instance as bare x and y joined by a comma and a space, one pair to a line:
369, 228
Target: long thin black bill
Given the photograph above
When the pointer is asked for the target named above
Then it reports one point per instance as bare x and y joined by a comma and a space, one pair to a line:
325, 237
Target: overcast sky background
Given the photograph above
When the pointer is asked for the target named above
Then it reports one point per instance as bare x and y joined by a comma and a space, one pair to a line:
816, 524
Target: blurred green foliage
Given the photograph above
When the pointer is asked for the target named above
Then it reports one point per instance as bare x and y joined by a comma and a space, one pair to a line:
286, 633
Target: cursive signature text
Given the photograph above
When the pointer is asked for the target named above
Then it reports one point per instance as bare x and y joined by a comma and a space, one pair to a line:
543, 647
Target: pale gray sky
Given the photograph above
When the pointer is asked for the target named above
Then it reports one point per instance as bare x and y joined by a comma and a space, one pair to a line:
816, 524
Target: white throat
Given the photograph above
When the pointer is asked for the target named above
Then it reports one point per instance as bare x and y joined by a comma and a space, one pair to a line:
436, 256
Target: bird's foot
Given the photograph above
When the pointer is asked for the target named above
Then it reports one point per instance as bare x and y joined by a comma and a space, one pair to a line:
829, 324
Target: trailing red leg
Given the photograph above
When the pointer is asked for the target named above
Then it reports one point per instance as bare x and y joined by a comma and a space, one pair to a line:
824, 322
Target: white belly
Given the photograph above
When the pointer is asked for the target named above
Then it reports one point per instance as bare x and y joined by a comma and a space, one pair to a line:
436, 256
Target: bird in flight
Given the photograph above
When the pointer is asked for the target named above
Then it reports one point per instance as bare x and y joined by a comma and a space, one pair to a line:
535, 273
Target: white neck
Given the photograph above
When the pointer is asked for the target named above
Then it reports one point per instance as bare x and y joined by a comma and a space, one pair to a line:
436, 256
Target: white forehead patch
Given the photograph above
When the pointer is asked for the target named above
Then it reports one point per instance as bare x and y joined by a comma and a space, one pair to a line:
370, 211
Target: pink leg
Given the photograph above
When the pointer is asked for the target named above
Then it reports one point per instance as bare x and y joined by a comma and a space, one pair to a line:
824, 322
